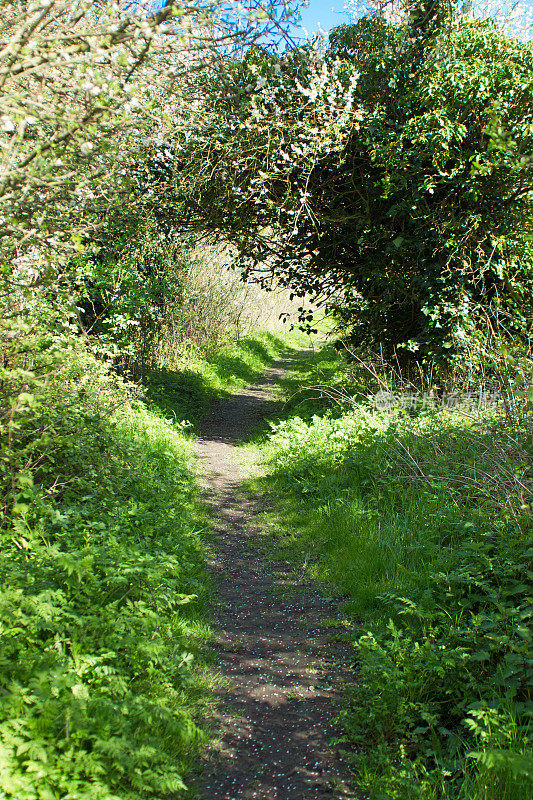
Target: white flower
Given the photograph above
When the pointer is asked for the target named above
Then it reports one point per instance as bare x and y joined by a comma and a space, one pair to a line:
7, 124
86, 148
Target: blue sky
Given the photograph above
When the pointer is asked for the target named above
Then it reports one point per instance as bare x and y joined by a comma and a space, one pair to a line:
329, 13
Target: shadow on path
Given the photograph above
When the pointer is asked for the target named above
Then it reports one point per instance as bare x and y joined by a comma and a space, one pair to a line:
274, 649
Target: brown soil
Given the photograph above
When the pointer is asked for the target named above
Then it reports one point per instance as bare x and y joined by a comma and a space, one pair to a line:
279, 661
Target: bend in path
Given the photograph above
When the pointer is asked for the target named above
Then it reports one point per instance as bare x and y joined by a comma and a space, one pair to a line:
273, 648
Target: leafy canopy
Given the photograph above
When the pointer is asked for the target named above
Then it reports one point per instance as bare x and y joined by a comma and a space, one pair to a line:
388, 176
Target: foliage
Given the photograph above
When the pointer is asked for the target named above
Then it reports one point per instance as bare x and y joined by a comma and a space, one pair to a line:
103, 582
146, 300
388, 176
82, 87
87, 92
103, 571
186, 392
87, 95
514, 18
423, 519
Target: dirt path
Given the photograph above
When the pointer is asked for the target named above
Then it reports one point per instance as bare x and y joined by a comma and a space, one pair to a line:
273, 649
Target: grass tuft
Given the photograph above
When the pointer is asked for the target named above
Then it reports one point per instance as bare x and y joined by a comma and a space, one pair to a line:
423, 519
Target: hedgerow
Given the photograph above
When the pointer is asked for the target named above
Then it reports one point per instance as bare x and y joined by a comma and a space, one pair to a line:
384, 174
423, 519
102, 587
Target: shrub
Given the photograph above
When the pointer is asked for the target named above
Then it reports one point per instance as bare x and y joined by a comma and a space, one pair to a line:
103, 581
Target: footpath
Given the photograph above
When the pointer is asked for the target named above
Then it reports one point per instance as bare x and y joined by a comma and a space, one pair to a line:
279, 665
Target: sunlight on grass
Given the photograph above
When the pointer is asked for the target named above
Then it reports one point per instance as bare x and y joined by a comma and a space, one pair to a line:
422, 520
185, 394
105, 686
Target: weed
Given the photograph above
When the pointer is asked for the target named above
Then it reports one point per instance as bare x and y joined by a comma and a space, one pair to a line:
422, 520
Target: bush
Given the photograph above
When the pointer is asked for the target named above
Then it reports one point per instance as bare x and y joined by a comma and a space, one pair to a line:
103, 581
423, 518
386, 175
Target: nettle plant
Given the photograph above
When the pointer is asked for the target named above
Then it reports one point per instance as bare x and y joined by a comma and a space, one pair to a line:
387, 174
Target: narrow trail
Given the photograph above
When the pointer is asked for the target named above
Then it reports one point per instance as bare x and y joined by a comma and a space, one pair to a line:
274, 648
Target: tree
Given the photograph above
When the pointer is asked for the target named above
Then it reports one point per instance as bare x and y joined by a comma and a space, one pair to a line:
389, 177
84, 87
88, 92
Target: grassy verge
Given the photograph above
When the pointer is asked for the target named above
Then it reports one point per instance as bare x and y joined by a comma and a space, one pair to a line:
423, 519
186, 393
103, 680
103, 585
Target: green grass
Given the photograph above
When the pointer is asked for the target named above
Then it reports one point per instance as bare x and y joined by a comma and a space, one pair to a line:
185, 394
103, 594
423, 521
104, 672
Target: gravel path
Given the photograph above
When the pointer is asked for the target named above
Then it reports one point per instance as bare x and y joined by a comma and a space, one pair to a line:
274, 651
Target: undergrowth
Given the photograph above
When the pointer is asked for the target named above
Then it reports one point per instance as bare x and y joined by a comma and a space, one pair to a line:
104, 686
185, 393
423, 519
103, 583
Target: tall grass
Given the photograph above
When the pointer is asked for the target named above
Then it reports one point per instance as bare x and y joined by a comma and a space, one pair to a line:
103, 586
423, 519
